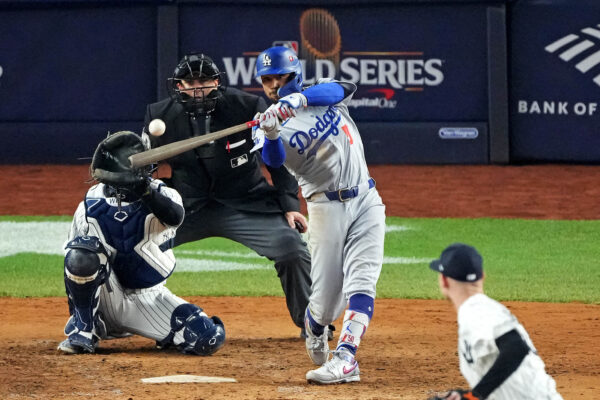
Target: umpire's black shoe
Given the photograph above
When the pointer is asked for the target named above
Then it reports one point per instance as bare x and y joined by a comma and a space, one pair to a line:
329, 333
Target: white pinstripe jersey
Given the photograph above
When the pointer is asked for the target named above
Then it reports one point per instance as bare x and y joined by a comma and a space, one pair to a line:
481, 320
138, 243
137, 300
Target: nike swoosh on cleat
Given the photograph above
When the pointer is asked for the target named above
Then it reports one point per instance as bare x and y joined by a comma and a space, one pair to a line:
347, 371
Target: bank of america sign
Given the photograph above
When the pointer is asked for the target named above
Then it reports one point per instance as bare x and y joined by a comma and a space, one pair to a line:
582, 50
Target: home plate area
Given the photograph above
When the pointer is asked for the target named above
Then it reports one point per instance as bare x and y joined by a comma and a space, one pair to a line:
187, 379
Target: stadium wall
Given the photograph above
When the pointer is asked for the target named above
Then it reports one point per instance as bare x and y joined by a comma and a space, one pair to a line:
440, 82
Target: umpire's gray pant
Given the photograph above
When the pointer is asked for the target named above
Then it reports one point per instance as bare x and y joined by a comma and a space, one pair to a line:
269, 235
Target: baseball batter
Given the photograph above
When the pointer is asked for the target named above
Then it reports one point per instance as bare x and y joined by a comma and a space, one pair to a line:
320, 145
497, 357
118, 256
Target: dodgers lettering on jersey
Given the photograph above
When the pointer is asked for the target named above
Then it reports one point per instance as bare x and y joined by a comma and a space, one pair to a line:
325, 125
481, 320
139, 244
323, 148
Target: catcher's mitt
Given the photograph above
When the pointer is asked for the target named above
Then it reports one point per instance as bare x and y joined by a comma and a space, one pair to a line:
464, 395
110, 164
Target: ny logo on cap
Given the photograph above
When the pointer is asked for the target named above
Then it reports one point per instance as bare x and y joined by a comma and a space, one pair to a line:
266, 60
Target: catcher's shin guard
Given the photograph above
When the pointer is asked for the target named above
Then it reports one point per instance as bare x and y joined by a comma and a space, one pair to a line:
85, 272
193, 332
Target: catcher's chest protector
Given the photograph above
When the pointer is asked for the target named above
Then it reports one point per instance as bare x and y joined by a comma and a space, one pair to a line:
132, 232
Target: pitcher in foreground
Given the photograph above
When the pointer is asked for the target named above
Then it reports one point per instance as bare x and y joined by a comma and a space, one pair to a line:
497, 356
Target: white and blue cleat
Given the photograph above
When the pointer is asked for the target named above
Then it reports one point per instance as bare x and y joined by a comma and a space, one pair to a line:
79, 343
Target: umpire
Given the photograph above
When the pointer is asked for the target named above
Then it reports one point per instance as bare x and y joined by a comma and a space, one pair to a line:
223, 189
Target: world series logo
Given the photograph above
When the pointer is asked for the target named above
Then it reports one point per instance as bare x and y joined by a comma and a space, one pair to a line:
380, 74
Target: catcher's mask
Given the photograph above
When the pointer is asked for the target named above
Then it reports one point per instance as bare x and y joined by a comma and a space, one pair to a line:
196, 69
110, 164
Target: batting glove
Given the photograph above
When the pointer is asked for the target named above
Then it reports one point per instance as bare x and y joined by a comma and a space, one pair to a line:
258, 135
269, 123
284, 111
294, 100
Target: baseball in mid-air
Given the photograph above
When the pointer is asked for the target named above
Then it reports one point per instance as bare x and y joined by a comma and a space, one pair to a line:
157, 127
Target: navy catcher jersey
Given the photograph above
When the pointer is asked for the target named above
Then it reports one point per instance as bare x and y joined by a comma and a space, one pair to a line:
138, 243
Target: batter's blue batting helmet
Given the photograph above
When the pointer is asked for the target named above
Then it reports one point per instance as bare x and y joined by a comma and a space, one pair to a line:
281, 60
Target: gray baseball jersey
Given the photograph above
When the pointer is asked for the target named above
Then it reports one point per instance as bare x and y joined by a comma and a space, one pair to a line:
324, 152
481, 320
324, 149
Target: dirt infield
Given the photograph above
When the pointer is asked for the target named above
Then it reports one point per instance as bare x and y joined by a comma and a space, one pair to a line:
409, 350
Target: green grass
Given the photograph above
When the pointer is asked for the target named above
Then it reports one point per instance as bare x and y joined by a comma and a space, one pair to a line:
525, 260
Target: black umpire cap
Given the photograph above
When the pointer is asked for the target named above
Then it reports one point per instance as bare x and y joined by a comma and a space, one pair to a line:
460, 262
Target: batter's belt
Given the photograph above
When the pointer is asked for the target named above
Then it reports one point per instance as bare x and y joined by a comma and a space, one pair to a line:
343, 194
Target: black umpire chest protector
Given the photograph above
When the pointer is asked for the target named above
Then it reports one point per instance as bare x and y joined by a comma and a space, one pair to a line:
223, 170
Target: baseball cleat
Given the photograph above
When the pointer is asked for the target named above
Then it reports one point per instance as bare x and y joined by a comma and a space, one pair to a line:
342, 368
317, 347
78, 344
329, 333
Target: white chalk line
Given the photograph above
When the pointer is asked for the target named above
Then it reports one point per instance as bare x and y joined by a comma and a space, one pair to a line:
48, 237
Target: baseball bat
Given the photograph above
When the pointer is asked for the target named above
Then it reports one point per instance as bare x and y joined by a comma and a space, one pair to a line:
172, 149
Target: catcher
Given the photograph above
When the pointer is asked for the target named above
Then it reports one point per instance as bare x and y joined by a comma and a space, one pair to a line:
118, 257
497, 356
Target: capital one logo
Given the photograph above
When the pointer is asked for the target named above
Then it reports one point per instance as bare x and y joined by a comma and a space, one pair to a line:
581, 50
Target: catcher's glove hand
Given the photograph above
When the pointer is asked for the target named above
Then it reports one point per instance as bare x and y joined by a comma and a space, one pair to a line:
111, 166
455, 394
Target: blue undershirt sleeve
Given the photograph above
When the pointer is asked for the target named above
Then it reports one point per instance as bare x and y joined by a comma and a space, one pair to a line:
273, 153
324, 94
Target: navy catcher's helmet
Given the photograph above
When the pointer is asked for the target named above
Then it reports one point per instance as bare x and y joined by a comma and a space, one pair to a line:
281, 60
195, 66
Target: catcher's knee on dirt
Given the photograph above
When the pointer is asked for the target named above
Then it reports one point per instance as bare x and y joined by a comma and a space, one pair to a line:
193, 332
294, 274
85, 272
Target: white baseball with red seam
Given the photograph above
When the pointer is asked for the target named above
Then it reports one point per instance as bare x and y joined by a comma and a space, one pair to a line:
157, 127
